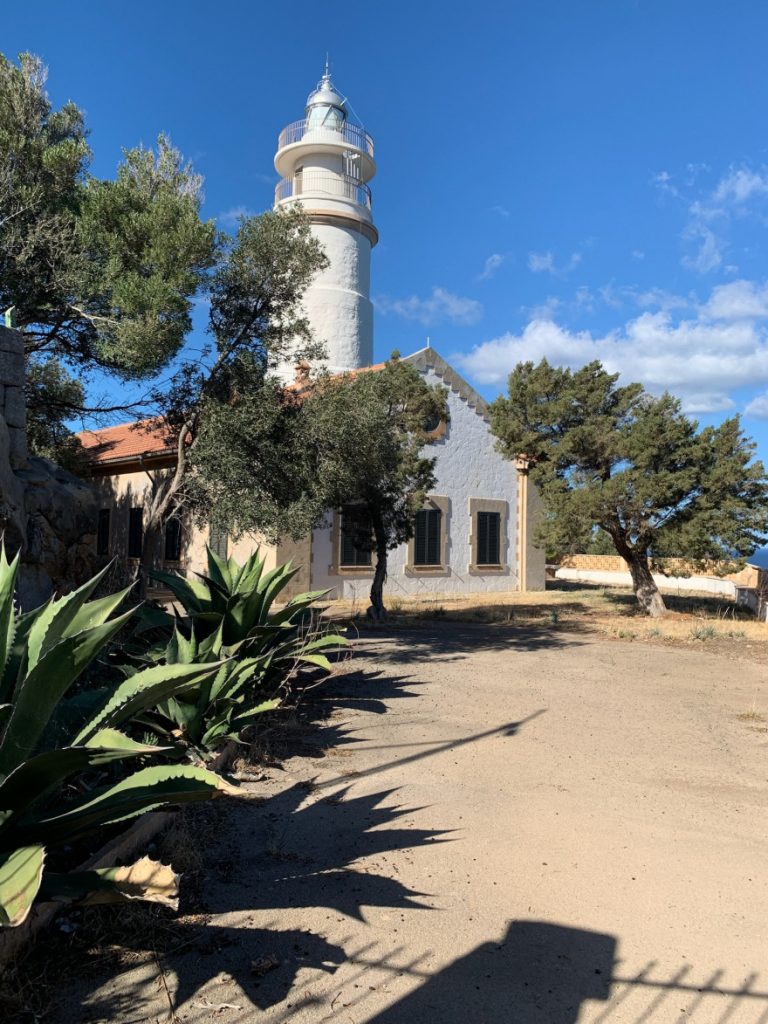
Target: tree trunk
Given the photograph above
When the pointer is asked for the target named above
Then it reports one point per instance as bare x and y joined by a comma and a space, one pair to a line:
644, 586
377, 612
150, 551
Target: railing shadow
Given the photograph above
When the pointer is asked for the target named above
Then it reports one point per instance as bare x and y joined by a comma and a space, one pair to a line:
544, 973
295, 850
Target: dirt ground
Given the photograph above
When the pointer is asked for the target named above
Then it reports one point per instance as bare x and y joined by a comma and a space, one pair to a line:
492, 823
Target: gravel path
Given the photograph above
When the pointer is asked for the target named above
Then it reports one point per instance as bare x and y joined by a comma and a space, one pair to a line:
492, 825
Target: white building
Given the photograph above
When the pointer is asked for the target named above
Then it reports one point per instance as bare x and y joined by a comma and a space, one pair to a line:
476, 532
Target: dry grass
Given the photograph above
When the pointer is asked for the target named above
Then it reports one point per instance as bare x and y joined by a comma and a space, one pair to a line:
603, 611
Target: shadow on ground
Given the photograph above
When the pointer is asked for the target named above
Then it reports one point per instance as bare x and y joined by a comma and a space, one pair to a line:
298, 849
545, 973
448, 640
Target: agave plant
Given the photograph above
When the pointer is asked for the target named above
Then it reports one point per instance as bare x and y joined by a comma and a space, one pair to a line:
230, 619
48, 754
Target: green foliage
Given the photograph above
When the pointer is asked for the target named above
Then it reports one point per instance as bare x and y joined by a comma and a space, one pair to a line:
101, 272
53, 787
51, 394
250, 466
230, 621
634, 466
367, 432
224, 415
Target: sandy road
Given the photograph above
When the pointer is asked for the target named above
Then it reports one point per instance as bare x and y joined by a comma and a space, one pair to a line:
493, 825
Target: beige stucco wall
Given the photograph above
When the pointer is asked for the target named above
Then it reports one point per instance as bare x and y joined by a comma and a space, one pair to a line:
124, 491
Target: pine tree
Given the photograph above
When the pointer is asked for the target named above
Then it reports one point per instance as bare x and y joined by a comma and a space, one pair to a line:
635, 466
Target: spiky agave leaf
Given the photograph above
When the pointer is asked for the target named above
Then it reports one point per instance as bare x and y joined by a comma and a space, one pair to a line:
45, 684
144, 790
21, 871
38, 777
55, 617
145, 689
145, 879
8, 571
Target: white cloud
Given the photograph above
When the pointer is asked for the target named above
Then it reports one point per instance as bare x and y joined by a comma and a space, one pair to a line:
659, 298
701, 359
502, 211
740, 185
735, 195
708, 255
539, 262
758, 407
663, 182
491, 265
738, 300
440, 305
231, 218
638, 254
545, 310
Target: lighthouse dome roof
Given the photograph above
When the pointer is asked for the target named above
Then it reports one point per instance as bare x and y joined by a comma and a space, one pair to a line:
326, 95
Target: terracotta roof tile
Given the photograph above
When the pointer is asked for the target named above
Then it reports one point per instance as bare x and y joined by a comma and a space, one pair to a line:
125, 441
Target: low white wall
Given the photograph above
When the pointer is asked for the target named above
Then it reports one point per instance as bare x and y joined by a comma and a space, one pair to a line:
675, 584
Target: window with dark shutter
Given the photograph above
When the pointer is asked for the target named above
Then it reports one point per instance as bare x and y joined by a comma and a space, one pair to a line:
427, 537
488, 533
218, 541
135, 532
102, 532
355, 534
173, 540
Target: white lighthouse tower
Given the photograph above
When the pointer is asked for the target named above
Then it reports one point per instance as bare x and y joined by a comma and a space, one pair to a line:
325, 162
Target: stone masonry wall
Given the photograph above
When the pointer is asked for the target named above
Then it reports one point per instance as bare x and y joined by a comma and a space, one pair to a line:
13, 408
45, 512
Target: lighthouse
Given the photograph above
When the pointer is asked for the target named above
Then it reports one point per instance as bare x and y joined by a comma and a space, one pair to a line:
325, 161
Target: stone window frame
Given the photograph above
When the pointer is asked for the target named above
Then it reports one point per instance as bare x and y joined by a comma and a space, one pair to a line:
336, 568
489, 505
443, 503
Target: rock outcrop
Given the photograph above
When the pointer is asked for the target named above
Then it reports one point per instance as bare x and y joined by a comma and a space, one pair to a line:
44, 510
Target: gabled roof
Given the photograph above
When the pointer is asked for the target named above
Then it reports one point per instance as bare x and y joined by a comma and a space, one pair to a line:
428, 359
129, 442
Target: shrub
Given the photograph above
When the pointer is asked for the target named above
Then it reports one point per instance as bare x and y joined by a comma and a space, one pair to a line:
230, 620
57, 783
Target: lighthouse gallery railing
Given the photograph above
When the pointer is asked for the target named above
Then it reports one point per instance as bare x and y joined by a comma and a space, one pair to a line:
331, 185
351, 134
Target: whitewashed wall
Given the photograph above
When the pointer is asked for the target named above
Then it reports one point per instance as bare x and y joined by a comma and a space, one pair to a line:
467, 467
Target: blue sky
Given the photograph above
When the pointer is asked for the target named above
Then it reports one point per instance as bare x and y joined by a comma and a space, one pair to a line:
571, 178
